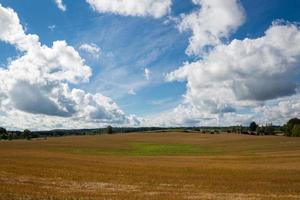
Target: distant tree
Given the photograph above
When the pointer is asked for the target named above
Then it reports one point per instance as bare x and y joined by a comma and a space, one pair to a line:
269, 130
18, 134
260, 130
296, 130
27, 134
253, 126
109, 129
288, 127
3, 133
10, 136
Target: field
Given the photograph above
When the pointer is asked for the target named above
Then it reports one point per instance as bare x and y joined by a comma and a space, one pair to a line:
166, 166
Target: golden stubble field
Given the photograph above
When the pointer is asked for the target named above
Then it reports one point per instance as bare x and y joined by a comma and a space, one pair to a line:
166, 166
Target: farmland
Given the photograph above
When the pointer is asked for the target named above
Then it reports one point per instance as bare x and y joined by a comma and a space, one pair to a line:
151, 166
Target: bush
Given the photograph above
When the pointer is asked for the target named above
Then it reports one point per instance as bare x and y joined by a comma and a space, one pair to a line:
296, 130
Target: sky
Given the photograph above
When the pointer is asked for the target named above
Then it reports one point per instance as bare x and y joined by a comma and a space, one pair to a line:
93, 63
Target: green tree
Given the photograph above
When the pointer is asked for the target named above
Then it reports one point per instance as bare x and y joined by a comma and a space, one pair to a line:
288, 127
3, 133
296, 130
269, 130
253, 126
27, 134
260, 130
3, 130
10, 136
109, 129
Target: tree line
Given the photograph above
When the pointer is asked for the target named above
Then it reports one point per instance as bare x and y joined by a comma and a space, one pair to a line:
291, 129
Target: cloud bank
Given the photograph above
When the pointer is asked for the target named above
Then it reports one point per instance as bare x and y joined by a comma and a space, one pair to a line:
38, 81
235, 82
245, 70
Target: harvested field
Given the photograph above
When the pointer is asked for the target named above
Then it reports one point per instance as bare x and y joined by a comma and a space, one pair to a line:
151, 166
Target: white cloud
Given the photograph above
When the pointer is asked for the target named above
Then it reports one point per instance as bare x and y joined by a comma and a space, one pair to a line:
245, 74
60, 5
212, 22
280, 111
244, 80
91, 48
277, 112
154, 8
37, 82
186, 114
246, 70
147, 74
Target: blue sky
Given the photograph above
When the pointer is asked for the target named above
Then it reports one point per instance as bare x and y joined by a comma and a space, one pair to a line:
129, 44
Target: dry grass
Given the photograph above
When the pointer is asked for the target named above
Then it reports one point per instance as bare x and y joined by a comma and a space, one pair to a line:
151, 166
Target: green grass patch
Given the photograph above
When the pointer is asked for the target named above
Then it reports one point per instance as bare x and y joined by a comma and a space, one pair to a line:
152, 149
143, 149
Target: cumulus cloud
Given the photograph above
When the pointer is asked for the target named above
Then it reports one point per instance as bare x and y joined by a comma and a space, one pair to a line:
153, 8
211, 23
245, 73
36, 100
240, 81
37, 82
246, 70
60, 5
